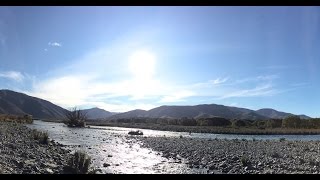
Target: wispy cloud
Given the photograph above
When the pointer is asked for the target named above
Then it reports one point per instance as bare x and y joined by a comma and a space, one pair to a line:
258, 78
301, 84
278, 67
234, 104
13, 75
120, 107
210, 83
261, 90
55, 44
80, 90
177, 97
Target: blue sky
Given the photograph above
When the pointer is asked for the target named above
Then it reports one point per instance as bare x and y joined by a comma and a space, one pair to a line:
125, 58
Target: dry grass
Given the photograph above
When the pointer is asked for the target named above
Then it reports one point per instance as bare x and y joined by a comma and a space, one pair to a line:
42, 137
78, 163
16, 118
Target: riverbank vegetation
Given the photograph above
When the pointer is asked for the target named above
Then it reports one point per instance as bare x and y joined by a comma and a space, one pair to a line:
16, 118
78, 163
289, 125
75, 118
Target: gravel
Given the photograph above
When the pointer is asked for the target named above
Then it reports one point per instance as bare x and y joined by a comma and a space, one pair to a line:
20, 153
241, 156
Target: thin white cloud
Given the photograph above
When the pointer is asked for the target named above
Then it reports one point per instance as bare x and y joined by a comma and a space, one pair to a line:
101, 76
302, 84
210, 83
219, 81
278, 67
234, 104
121, 107
13, 75
262, 90
177, 97
258, 78
45, 49
55, 44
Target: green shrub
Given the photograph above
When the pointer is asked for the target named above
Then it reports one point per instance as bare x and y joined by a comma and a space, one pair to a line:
245, 160
291, 122
78, 163
213, 121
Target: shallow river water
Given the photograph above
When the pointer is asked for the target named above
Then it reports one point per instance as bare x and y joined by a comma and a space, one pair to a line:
113, 146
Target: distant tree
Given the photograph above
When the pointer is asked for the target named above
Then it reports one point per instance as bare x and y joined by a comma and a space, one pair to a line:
163, 121
75, 118
291, 122
314, 123
274, 123
213, 121
239, 123
172, 121
185, 121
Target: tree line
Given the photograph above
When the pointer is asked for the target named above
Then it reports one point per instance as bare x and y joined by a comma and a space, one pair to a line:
288, 122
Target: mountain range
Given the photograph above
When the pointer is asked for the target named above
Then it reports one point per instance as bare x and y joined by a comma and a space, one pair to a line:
12, 102
18, 103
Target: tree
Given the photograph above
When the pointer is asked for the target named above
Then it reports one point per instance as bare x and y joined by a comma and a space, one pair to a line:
291, 122
75, 118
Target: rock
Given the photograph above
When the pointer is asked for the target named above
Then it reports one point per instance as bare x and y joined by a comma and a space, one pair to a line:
106, 165
212, 167
48, 171
109, 155
223, 164
35, 168
26, 171
138, 132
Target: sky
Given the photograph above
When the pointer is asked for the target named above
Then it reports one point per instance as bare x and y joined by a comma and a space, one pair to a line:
126, 58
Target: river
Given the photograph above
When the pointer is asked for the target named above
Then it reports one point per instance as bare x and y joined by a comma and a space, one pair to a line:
113, 146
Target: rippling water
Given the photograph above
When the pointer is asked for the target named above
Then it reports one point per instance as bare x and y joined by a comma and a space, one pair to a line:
113, 145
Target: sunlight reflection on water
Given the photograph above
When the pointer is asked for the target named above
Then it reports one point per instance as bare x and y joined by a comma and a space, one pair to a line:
114, 147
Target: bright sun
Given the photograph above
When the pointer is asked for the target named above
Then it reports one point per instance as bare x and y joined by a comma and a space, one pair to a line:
142, 64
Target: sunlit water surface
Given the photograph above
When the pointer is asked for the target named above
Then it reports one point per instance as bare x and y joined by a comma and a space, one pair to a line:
112, 145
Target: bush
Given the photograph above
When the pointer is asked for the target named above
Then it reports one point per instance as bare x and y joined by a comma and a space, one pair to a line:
245, 160
282, 139
79, 163
239, 123
274, 123
42, 137
291, 122
185, 121
75, 118
214, 121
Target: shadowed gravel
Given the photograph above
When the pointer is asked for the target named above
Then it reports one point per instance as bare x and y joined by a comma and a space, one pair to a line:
21, 154
240, 156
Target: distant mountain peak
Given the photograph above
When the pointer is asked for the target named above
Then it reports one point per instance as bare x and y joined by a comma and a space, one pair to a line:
12, 102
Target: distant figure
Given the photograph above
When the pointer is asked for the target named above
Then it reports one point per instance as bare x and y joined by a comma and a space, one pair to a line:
189, 132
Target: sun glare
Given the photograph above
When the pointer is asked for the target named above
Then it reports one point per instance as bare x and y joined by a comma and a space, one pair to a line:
142, 64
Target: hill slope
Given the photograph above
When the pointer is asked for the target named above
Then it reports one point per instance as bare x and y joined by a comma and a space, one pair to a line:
206, 110
12, 102
271, 113
97, 113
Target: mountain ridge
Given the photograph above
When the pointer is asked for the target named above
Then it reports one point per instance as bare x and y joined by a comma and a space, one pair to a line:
12, 102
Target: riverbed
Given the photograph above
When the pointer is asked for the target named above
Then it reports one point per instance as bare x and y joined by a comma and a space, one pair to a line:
114, 151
